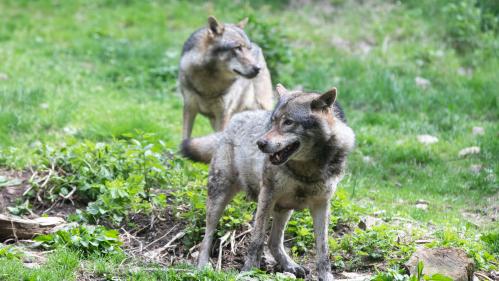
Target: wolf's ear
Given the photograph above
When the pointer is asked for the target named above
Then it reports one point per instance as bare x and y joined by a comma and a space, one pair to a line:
214, 26
281, 90
325, 100
242, 23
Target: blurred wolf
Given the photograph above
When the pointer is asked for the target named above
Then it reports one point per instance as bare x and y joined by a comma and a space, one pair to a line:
221, 73
288, 159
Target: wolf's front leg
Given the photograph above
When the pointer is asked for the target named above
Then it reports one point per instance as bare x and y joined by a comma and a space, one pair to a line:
255, 249
279, 220
320, 215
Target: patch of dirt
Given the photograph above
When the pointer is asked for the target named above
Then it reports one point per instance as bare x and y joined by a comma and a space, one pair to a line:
486, 215
15, 183
12, 187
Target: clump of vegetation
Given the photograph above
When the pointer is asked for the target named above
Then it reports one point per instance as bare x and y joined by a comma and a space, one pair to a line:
21, 208
397, 275
115, 178
364, 247
491, 239
9, 252
480, 250
86, 239
273, 41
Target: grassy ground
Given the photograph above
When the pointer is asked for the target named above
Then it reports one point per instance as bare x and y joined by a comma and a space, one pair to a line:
96, 70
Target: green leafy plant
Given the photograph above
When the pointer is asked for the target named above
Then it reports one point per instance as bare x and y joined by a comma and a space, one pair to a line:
273, 41
86, 239
378, 244
477, 249
396, 275
21, 209
113, 178
9, 252
492, 241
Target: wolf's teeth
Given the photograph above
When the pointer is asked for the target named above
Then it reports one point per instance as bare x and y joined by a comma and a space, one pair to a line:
277, 157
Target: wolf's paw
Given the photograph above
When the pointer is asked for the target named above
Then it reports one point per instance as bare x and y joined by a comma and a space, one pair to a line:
326, 277
298, 271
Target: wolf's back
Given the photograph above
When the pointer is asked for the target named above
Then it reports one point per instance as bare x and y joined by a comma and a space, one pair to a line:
200, 149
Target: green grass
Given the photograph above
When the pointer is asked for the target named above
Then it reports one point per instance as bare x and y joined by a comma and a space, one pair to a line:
98, 70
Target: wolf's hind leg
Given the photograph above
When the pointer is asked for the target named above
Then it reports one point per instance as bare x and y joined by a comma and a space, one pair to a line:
276, 246
264, 207
190, 113
220, 192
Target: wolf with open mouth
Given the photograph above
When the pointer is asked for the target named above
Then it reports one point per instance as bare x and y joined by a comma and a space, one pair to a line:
288, 159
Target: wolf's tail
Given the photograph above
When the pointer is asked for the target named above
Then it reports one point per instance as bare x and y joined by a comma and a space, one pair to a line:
200, 149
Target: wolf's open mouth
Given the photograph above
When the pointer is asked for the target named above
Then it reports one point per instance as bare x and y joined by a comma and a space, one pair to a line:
283, 155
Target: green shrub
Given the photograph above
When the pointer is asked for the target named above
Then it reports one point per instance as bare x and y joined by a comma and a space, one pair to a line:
85, 239
492, 241
378, 244
273, 41
115, 177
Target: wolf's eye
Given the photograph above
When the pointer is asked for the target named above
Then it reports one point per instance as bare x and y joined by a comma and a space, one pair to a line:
287, 122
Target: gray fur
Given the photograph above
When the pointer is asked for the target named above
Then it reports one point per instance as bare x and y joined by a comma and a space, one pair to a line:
306, 179
222, 73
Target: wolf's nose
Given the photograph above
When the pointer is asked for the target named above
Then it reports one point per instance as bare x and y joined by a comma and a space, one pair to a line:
261, 144
256, 69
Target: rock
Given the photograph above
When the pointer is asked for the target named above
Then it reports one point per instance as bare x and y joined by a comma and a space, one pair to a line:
367, 159
19, 228
4, 76
354, 276
70, 130
475, 168
422, 82
451, 262
64, 226
379, 213
422, 204
289, 275
469, 150
427, 139
368, 222
478, 131
465, 71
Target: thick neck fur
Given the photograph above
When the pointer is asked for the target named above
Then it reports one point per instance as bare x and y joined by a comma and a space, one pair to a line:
208, 80
329, 156
205, 74
327, 161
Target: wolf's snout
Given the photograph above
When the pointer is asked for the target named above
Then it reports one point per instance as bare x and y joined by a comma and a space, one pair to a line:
256, 69
261, 144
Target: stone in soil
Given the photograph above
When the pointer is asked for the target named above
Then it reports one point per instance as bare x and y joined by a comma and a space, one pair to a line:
451, 262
